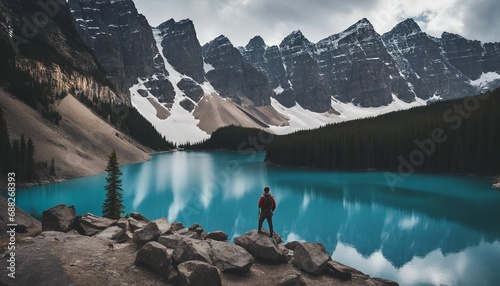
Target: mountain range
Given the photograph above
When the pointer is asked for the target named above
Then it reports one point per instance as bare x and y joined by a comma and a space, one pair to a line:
187, 90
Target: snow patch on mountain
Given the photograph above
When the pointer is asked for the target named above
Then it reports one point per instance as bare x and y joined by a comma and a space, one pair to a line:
179, 127
303, 119
483, 81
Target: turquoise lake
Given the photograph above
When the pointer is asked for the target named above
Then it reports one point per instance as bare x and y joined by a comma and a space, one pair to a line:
429, 230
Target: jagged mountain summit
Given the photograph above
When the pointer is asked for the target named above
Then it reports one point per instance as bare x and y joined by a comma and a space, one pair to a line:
188, 90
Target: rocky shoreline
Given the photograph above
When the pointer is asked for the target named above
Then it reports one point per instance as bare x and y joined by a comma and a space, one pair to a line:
84, 250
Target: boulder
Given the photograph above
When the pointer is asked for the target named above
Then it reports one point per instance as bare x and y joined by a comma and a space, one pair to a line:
292, 244
135, 224
195, 235
148, 233
229, 257
292, 279
171, 241
190, 249
217, 235
111, 233
137, 216
343, 268
58, 218
90, 224
310, 257
198, 273
154, 256
182, 231
127, 236
175, 226
162, 224
196, 228
262, 247
123, 224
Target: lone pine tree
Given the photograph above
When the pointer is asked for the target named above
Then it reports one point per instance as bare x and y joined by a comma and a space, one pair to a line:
113, 205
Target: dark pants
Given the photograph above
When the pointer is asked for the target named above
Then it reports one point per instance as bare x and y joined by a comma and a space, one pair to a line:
266, 214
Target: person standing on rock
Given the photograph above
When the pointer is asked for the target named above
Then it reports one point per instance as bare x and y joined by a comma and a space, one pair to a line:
267, 204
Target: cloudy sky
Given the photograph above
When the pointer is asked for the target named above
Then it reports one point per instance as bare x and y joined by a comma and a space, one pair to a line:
240, 20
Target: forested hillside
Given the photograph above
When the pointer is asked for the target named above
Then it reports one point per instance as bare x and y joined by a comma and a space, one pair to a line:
455, 137
235, 138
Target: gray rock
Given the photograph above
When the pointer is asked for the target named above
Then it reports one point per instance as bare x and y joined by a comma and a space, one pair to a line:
123, 224
111, 233
182, 48
422, 61
292, 245
229, 257
310, 257
175, 226
198, 273
233, 77
292, 279
148, 233
182, 231
189, 249
135, 224
139, 217
162, 224
344, 268
123, 43
196, 228
154, 255
217, 235
337, 272
90, 224
171, 240
58, 218
261, 247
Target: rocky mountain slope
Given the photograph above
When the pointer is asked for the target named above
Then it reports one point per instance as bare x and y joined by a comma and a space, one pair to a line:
299, 84
44, 68
81, 142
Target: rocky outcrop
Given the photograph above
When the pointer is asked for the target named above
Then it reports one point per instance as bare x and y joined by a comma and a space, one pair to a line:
262, 247
58, 218
176, 257
229, 257
150, 232
182, 49
311, 257
189, 249
121, 39
464, 54
198, 273
90, 224
359, 69
217, 235
154, 256
233, 77
57, 62
421, 60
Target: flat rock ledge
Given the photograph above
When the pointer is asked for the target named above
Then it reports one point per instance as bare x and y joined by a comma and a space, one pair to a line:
135, 250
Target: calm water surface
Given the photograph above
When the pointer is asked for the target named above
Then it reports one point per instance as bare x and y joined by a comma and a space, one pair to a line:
430, 230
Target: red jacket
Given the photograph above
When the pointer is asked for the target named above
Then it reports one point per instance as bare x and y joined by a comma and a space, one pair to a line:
262, 202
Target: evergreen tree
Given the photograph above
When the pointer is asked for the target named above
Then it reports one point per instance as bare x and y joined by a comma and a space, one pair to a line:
14, 166
52, 169
113, 205
30, 160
